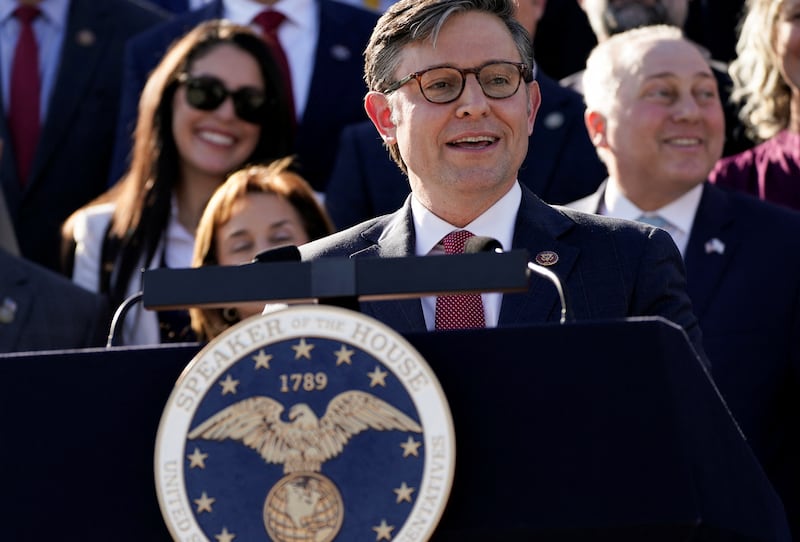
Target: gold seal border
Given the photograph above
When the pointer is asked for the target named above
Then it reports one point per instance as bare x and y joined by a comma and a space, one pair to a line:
327, 322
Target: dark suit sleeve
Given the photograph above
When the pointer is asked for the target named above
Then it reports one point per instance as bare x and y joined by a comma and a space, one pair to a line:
68, 315
347, 199
51, 313
578, 170
365, 182
98, 321
660, 288
562, 164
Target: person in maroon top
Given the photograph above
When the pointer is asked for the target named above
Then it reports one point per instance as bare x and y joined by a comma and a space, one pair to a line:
766, 77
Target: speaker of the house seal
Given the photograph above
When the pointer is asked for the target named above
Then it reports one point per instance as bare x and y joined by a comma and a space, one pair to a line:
309, 423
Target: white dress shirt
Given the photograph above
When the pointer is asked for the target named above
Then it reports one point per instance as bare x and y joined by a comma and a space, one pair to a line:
49, 29
680, 212
298, 35
497, 222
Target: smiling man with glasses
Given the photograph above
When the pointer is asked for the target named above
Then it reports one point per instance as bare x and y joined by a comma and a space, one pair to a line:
461, 133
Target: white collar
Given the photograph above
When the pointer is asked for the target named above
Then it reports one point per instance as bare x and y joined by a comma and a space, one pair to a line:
298, 12
496, 222
53, 11
680, 212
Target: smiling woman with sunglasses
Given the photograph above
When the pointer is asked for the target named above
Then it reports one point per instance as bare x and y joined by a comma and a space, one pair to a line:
214, 104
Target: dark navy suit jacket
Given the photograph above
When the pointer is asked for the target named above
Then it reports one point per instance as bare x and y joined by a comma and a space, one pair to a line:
562, 164
335, 96
73, 156
173, 6
610, 268
746, 294
45, 310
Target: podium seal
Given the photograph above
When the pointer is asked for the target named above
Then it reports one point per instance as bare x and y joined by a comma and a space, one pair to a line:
311, 423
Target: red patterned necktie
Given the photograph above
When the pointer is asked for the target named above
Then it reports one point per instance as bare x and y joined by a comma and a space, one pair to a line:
269, 21
460, 311
23, 111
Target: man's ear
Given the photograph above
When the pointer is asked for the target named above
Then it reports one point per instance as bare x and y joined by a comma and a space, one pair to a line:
533, 107
380, 113
596, 125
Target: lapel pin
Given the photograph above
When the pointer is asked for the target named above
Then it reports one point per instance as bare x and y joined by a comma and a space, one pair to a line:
554, 120
715, 245
8, 310
85, 37
546, 258
340, 53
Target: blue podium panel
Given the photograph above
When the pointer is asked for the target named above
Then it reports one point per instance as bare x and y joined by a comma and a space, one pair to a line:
588, 431
594, 431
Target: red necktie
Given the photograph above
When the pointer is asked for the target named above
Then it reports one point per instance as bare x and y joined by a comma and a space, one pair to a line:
23, 111
461, 311
269, 21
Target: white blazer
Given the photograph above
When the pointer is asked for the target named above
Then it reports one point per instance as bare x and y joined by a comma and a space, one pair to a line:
140, 326
175, 249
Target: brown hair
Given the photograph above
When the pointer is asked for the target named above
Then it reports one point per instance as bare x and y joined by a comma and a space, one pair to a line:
276, 178
412, 21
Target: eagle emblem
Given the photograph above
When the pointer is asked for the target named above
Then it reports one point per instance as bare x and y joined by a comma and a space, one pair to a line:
303, 501
306, 441
305, 425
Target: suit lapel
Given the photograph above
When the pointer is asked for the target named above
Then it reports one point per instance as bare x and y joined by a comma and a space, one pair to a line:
15, 288
537, 230
8, 170
712, 233
84, 41
591, 203
714, 220
328, 86
395, 240
176, 6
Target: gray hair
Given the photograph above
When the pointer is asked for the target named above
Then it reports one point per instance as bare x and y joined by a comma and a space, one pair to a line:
411, 21
757, 81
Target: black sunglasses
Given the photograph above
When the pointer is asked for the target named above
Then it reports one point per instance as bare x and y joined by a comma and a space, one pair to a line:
207, 93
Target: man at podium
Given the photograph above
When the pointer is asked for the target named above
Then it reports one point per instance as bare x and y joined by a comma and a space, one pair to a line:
453, 96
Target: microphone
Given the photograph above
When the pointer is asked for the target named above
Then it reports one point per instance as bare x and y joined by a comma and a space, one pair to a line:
482, 243
285, 253
479, 243
119, 315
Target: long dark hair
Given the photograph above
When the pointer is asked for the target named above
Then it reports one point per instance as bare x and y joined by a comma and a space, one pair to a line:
144, 193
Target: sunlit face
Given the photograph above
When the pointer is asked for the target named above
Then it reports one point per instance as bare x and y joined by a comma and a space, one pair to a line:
258, 222
666, 129
787, 43
472, 147
213, 143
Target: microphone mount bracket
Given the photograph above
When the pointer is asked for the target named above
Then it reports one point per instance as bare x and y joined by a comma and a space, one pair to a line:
340, 281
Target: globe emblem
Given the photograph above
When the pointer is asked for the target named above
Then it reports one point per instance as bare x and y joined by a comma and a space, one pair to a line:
303, 507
